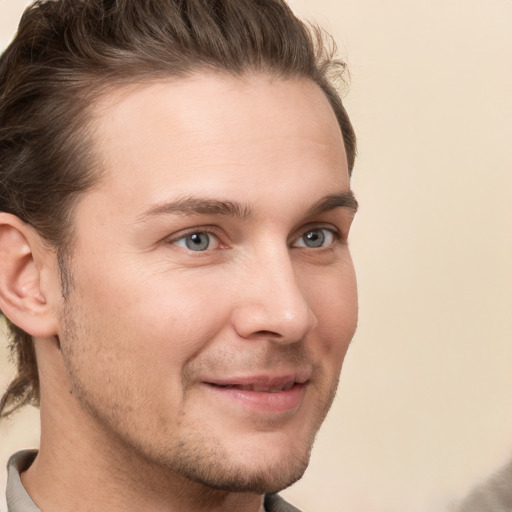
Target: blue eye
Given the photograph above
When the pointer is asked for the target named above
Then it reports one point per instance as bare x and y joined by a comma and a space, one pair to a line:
315, 238
199, 241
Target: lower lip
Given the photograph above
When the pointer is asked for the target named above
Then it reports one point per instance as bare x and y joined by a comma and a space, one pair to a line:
270, 403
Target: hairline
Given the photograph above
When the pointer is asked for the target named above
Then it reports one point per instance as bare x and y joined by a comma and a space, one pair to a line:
99, 96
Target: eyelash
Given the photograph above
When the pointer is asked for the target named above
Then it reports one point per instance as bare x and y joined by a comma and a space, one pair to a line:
332, 232
192, 234
204, 230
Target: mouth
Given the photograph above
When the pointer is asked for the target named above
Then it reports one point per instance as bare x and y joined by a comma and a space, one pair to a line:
262, 394
257, 388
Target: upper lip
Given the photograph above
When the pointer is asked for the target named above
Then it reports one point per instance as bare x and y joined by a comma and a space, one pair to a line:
263, 382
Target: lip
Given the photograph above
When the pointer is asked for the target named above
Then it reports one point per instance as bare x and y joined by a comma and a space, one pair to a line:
269, 394
262, 380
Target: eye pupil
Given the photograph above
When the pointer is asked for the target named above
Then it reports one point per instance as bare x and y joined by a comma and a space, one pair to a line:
197, 241
315, 238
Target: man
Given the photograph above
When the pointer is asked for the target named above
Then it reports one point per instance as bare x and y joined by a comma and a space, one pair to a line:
175, 206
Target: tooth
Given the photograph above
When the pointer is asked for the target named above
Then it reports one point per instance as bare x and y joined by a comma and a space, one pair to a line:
288, 386
276, 389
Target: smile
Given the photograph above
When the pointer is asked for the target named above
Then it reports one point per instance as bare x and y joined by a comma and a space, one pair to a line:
261, 394
259, 389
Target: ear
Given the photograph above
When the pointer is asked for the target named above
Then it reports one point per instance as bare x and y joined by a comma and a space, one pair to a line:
23, 259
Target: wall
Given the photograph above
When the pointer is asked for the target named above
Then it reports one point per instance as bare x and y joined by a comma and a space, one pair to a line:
423, 410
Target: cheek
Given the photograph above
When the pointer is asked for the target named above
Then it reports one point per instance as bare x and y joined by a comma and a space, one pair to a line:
139, 295
336, 308
154, 323
183, 311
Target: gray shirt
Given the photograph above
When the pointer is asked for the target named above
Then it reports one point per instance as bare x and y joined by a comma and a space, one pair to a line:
17, 498
19, 501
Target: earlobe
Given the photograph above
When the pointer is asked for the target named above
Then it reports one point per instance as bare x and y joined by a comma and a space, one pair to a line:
21, 298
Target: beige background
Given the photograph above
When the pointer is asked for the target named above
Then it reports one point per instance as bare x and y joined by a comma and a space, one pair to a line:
424, 406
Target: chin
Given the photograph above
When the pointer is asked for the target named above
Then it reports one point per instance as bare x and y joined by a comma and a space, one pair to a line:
269, 479
262, 466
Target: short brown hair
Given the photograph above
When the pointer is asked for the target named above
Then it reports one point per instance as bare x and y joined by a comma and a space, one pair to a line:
66, 52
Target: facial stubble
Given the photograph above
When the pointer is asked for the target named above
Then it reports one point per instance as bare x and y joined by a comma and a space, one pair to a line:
197, 458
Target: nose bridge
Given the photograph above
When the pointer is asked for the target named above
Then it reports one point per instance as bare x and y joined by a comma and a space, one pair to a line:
274, 303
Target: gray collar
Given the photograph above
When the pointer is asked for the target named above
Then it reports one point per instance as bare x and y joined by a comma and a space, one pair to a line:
17, 498
274, 503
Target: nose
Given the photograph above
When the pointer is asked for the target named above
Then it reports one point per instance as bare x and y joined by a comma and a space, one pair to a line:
271, 303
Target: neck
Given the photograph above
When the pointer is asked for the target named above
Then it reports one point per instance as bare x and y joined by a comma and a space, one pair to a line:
81, 466
74, 475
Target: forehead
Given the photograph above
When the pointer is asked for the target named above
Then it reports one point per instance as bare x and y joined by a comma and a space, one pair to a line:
215, 133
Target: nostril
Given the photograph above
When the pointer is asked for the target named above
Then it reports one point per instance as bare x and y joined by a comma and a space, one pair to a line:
269, 334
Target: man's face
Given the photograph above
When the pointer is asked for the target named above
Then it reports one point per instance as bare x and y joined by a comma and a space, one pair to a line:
214, 295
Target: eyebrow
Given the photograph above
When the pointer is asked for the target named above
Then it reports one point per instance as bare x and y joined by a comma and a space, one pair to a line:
345, 199
207, 206
198, 206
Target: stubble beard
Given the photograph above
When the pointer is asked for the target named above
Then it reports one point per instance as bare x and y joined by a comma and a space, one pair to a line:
198, 459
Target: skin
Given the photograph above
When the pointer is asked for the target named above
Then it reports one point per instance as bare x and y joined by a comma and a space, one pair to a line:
133, 409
